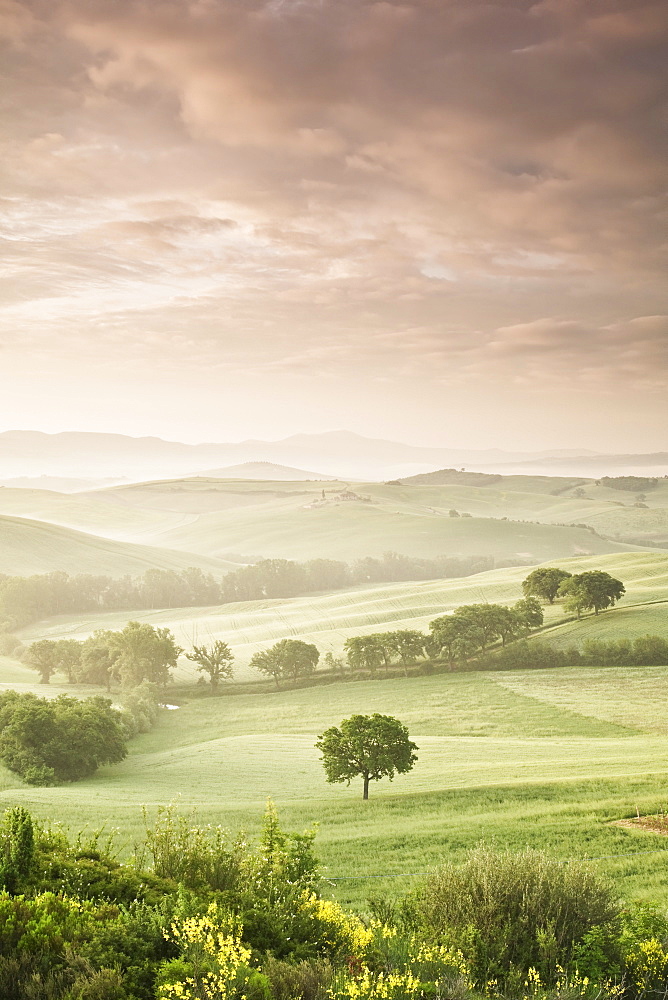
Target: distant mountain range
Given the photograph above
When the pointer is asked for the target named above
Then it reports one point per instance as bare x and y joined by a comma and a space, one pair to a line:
339, 454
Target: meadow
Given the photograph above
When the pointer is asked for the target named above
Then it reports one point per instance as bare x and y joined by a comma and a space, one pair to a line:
549, 759
544, 758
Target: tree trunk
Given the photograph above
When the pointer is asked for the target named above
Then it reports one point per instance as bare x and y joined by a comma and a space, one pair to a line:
366, 787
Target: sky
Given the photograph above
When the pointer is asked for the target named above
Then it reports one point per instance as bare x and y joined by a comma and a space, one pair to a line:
436, 221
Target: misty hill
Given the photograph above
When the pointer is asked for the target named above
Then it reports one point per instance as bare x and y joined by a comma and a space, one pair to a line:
28, 547
338, 453
224, 516
99, 513
59, 484
267, 471
345, 527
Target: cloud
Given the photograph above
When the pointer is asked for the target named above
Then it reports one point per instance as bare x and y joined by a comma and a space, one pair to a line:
377, 188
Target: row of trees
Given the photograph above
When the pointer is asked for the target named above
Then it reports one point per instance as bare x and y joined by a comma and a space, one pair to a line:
136, 654
470, 629
143, 653
27, 599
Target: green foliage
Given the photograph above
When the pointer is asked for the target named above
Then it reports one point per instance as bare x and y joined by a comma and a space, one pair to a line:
511, 912
364, 651
592, 589
216, 661
144, 653
41, 656
98, 659
191, 855
367, 746
289, 658
17, 850
63, 739
309, 979
140, 708
544, 582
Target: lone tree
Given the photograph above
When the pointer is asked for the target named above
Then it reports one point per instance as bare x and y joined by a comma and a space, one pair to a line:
215, 661
544, 582
593, 589
369, 746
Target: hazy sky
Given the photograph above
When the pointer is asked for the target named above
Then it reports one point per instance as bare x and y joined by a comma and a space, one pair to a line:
441, 221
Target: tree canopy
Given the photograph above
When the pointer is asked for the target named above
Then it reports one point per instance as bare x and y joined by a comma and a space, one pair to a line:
591, 590
367, 746
46, 741
544, 582
216, 661
291, 658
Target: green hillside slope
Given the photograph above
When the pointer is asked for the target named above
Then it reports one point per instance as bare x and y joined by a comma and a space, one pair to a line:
329, 619
499, 758
28, 547
349, 530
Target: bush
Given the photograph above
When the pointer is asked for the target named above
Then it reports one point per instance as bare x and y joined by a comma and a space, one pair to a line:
10, 645
511, 912
308, 980
61, 739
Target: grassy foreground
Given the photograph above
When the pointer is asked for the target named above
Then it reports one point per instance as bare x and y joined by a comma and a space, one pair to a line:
545, 759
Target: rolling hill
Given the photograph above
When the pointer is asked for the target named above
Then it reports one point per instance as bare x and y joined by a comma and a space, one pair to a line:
294, 528
28, 547
268, 471
327, 620
516, 518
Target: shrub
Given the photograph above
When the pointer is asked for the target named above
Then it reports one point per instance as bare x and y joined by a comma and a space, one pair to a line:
308, 980
510, 912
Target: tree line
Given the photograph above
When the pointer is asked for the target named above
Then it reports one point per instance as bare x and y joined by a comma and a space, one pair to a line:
142, 653
538, 654
28, 599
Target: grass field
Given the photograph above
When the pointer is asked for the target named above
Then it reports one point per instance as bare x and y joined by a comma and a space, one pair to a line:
547, 760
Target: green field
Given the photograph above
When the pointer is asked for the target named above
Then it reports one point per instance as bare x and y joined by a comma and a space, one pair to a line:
549, 758
521, 758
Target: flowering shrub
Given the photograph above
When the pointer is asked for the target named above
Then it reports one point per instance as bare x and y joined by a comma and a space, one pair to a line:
212, 959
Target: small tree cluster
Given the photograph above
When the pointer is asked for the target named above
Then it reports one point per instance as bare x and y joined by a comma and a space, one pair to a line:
471, 628
290, 659
592, 590
138, 653
368, 652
